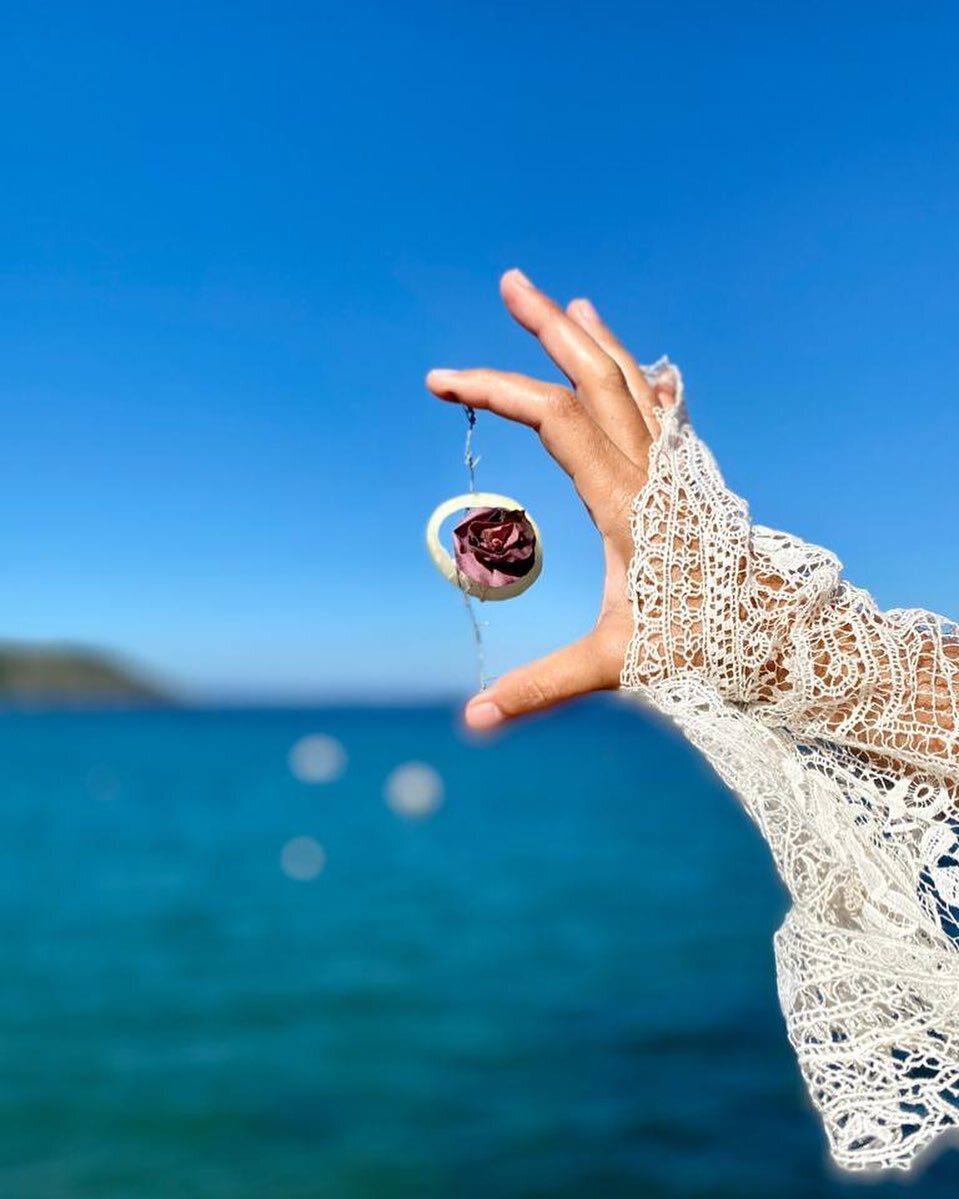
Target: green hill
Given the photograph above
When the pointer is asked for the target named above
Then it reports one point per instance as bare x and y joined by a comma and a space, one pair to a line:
72, 675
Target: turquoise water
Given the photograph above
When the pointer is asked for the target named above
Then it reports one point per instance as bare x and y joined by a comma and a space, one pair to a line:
559, 984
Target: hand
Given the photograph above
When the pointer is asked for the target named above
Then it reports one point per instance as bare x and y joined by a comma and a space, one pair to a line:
599, 430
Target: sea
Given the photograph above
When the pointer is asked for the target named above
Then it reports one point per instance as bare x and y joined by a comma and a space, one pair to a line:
355, 952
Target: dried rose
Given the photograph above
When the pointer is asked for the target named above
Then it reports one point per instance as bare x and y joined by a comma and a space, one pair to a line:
494, 546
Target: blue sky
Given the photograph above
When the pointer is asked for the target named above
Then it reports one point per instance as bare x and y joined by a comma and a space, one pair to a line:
233, 238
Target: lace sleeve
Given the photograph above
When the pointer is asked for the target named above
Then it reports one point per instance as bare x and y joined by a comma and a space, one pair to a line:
767, 619
836, 725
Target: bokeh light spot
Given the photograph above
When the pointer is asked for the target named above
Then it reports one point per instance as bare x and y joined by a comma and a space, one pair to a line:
302, 858
414, 790
317, 758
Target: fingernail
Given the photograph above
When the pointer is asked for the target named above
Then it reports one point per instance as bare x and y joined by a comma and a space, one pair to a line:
442, 374
520, 277
483, 714
586, 310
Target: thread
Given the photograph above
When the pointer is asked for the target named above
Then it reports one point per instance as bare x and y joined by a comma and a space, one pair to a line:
471, 461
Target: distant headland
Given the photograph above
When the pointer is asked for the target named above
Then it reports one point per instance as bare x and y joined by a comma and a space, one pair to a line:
45, 675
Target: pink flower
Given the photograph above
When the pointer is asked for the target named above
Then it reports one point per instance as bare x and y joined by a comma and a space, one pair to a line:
494, 546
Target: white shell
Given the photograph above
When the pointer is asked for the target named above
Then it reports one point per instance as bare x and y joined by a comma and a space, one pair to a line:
444, 559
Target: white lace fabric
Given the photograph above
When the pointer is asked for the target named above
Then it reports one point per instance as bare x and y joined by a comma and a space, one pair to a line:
837, 725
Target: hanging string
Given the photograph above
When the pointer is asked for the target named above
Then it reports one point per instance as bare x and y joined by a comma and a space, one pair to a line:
471, 461
478, 626
468, 457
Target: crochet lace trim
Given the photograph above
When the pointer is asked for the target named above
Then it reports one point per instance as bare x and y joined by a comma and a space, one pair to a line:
836, 725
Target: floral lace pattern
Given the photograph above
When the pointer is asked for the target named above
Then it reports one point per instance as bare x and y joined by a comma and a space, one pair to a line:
837, 725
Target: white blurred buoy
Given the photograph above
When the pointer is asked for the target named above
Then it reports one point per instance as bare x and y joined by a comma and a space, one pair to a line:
317, 758
302, 858
413, 790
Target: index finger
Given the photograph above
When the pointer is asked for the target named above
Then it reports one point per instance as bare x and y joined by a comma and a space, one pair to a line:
604, 477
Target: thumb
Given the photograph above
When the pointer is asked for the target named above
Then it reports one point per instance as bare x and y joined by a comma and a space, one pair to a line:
583, 666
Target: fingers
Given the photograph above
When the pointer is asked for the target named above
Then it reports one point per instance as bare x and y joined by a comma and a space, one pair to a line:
586, 316
579, 355
586, 665
601, 473
664, 388
572, 349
